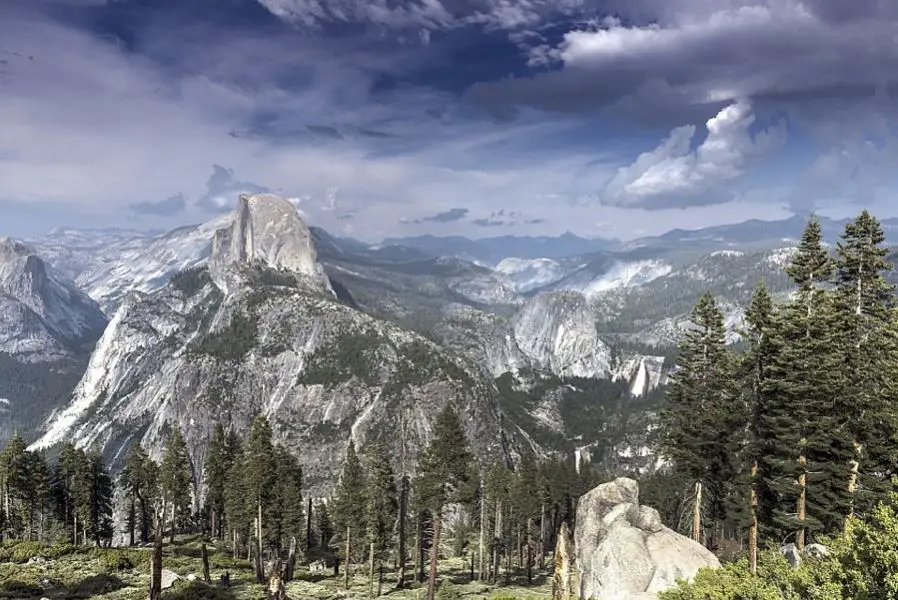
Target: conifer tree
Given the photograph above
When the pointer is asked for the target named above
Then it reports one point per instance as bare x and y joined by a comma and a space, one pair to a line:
99, 521
867, 399
14, 474
800, 391
175, 478
702, 415
140, 479
382, 502
348, 504
72, 491
759, 442
323, 525
288, 516
259, 482
220, 456
445, 476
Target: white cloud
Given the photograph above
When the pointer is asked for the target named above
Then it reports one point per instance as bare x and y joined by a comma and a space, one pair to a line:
674, 174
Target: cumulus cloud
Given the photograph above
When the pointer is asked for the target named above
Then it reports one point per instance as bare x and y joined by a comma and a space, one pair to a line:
673, 173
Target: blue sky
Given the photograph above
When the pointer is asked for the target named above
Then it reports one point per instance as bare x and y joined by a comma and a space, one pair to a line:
614, 118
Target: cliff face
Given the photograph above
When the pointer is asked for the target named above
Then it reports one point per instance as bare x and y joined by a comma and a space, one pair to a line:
43, 316
260, 330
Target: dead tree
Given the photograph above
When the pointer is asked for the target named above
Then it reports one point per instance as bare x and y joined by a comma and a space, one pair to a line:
563, 579
156, 571
205, 553
290, 569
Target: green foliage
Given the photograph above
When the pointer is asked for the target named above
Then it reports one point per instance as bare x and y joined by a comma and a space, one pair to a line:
234, 341
861, 565
351, 355
176, 478
382, 504
348, 503
447, 591
190, 281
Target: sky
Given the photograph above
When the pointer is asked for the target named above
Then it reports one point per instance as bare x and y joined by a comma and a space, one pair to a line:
377, 118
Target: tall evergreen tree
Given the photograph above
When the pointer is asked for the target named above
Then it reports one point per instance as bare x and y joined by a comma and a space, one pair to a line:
140, 480
260, 479
800, 392
176, 478
382, 502
348, 503
221, 453
99, 516
288, 515
867, 399
445, 476
702, 413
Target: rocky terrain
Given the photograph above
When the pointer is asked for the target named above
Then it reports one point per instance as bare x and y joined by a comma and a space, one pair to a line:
569, 351
259, 329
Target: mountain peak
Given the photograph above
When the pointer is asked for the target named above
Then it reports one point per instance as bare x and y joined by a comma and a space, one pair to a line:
267, 229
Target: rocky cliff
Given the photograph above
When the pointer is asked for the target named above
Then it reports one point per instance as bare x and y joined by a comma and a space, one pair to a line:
260, 330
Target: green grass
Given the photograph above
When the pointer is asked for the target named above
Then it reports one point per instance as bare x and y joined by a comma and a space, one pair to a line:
124, 574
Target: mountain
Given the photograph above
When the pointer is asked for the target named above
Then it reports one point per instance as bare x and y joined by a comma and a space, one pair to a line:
47, 330
492, 250
260, 329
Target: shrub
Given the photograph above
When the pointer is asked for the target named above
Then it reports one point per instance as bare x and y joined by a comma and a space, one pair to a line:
447, 591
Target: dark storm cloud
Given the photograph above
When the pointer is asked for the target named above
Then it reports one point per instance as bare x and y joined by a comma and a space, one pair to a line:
172, 205
702, 54
222, 190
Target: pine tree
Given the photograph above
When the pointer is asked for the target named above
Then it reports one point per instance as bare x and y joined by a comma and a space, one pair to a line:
99, 522
71, 490
702, 414
260, 486
14, 473
221, 453
140, 480
381, 502
445, 476
176, 478
348, 503
800, 390
288, 518
868, 388
755, 372
323, 525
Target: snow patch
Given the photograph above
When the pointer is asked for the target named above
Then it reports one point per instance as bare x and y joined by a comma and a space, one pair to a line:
624, 275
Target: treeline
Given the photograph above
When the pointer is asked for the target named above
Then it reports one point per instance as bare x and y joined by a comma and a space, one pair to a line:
502, 519
67, 501
786, 438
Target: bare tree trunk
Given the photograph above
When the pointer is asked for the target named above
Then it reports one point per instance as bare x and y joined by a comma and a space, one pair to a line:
371, 570
205, 553
234, 548
482, 530
697, 514
542, 534
156, 571
854, 468
529, 548
403, 516
348, 549
132, 522
290, 569
419, 555
562, 580
260, 572
802, 501
753, 531
508, 568
434, 554
309, 510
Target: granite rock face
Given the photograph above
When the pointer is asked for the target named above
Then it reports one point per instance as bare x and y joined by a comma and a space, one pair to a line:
623, 551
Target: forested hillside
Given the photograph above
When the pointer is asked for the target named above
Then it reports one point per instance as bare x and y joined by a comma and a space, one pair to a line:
795, 438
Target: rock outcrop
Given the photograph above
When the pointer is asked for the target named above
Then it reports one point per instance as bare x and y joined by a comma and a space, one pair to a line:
43, 316
623, 551
260, 331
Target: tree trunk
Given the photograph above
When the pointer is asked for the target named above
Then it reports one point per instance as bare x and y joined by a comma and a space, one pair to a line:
403, 516
132, 522
260, 572
371, 570
346, 566
472, 567
290, 569
697, 514
542, 534
309, 525
562, 579
234, 546
174, 510
854, 468
205, 553
482, 531
214, 531
802, 501
508, 568
753, 531
434, 554
156, 571
529, 548
419, 555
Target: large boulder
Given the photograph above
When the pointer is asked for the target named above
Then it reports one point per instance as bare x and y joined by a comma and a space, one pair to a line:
623, 551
